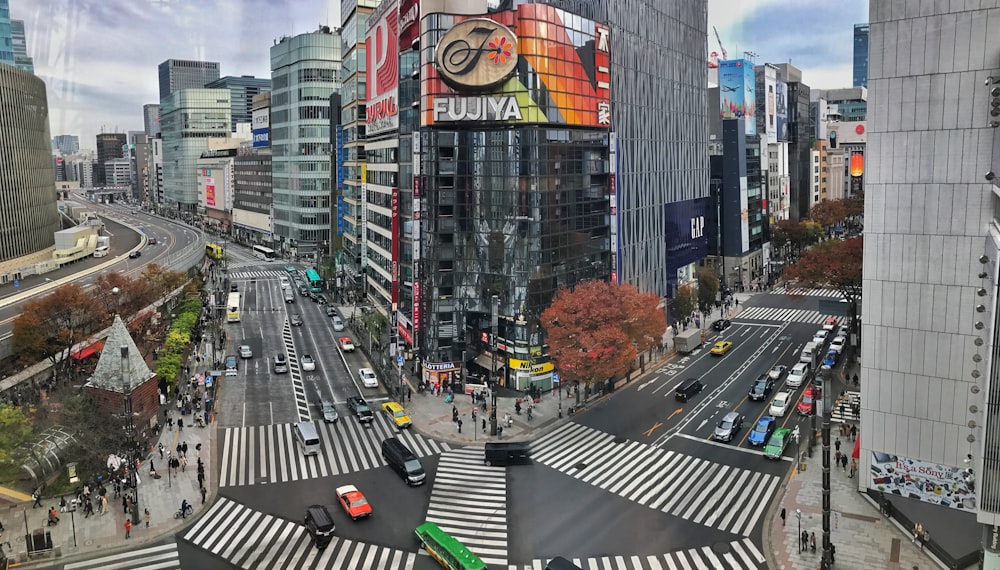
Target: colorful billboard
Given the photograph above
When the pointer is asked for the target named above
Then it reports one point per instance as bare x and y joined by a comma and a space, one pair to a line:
382, 53
737, 92
535, 64
933, 483
781, 110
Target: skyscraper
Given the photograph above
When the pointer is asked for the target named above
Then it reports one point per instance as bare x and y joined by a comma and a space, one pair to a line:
21, 58
930, 374
177, 74
861, 55
305, 71
242, 90
151, 119
188, 118
109, 147
6, 35
66, 144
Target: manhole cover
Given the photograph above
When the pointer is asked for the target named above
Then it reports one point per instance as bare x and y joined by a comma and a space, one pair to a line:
579, 465
721, 548
620, 439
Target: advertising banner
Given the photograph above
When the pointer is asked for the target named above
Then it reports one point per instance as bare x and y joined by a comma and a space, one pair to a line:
737, 92
261, 124
210, 191
382, 51
396, 238
475, 73
934, 483
781, 110
339, 169
409, 23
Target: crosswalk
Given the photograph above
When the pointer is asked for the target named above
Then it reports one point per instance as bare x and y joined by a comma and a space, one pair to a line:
259, 274
843, 409
469, 502
782, 315
720, 496
801, 292
253, 455
250, 539
741, 555
162, 557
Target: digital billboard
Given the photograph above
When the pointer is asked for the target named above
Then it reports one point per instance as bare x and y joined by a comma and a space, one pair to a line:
737, 92
535, 64
382, 53
781, 110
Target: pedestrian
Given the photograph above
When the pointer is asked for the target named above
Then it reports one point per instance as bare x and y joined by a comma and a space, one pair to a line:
812, 542
924, 538
804, 538
124, 504
201, 478
833, 553
836, 458
88, 507
184, 449
836, 444
180, 449
843, 462
184, 463
170, 422
203, 493
36, 496
104, 504
459, 425
161, 449
918, 531
854, 468
484, 425
198, 446
180, 424
856, 380
454, 414
854, 433
146, 516
62, 504
128, 528
783, 513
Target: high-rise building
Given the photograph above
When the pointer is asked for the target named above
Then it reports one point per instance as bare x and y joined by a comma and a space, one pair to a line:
6, 35
27, 200
66, 144
932, 267
118, 172
252, 215
188, 119
109, 146
860, 55
242, 90
349, 236
151, 119
177, 74
305, 72
20, 44
800, 135
139, 157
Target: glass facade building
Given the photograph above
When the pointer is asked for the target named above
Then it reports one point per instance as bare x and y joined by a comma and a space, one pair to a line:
861, 55
305, 72
241, 93
188, 118
6, 35
27, 198
177, 74
20, 44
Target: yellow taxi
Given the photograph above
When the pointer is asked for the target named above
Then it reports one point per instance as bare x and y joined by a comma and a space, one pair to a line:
397, 414
721, 347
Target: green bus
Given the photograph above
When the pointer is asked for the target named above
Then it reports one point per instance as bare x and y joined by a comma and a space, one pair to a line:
449, 552
315, 283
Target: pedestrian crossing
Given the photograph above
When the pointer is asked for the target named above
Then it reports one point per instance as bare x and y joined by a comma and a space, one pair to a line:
741, 555
162, 557
259, 274
843, 409
250, 539
783, 315
801, 292
728, 498
253, 455
469, 502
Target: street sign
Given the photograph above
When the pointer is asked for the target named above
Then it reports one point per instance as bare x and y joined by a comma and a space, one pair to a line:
17, 283
555, 376
399, 360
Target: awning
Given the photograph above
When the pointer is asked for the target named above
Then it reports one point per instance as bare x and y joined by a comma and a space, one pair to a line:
856, 454
89, 351
486, 361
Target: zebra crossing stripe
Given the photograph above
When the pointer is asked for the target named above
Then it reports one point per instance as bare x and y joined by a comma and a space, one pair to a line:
162, 557
742, 555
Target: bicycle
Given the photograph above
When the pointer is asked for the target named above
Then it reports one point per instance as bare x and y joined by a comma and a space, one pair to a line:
189, 510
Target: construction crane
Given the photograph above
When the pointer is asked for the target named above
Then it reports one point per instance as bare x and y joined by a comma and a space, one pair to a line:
719, 40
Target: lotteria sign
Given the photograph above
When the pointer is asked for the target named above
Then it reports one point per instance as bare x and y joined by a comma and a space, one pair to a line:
382, 51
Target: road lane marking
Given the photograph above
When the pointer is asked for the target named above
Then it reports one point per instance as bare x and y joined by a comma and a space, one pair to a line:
649, 432
675, 412
727, 446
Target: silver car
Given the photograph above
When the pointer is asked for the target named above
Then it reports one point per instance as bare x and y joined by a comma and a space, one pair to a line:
330, 414
727, 429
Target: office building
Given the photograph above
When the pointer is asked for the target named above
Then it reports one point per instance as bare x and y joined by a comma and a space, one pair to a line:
242, 90
20, 44
349, 237
931, 262
139, 157
109, 147
305, 72
66, 144
800, 135
118, 172
6, 34
154, 189
860, 55
151, 119
27, 196
188, 119
177, 74
215, 187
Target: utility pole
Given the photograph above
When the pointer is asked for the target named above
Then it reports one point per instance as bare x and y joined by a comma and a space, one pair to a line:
827, 561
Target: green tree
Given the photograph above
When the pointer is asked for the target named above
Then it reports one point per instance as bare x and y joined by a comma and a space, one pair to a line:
686, 301
834, 264
708, 287
14, 431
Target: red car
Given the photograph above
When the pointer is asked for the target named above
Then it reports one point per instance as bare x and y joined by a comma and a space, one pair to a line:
353, 502
345, 344
805, 405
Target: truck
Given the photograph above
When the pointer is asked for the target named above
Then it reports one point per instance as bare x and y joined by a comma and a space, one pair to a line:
688, 340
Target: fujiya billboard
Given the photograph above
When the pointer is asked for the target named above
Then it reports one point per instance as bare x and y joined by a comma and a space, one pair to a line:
382, 51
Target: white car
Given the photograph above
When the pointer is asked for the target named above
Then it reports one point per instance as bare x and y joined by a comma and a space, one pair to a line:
830, 323
820, 336
780, 403
307, 362
837, 345
797, 375
777, 371
368, 378
246, 351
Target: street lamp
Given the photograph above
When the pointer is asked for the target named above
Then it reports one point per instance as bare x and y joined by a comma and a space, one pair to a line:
827, 556
798, 515
494, 324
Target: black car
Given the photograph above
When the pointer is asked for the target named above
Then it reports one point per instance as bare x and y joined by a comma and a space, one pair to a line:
721, 324
134, 254
359, 407
761, 387
296, 320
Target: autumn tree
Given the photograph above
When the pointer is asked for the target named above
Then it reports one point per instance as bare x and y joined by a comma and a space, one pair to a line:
596, 329
686, 301
708, 287
833, 264
792, 236
161, 280
49, 326
854, 205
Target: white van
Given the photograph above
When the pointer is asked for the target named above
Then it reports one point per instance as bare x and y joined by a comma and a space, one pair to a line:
102, 251
810, 353
307, 438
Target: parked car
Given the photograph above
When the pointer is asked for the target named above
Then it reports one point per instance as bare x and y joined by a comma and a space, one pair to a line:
727, 429
780, 403
359, 407
330, 311
838, 343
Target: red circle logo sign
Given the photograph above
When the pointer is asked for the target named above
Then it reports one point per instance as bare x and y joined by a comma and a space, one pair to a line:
860, 129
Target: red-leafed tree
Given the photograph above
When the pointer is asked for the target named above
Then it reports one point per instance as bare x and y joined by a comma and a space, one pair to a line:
834, 264
51, 325
596, 329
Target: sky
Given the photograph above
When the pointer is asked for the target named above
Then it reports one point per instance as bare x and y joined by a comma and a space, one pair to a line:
99, 57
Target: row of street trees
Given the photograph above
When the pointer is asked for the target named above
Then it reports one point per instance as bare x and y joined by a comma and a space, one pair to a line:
701, 295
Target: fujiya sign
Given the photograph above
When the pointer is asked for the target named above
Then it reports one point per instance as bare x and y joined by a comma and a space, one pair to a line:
485, 108
476, 55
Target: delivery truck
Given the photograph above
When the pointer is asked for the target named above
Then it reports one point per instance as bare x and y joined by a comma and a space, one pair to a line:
688, 340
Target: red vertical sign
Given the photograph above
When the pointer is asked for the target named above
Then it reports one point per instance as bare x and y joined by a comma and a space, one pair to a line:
395, 245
